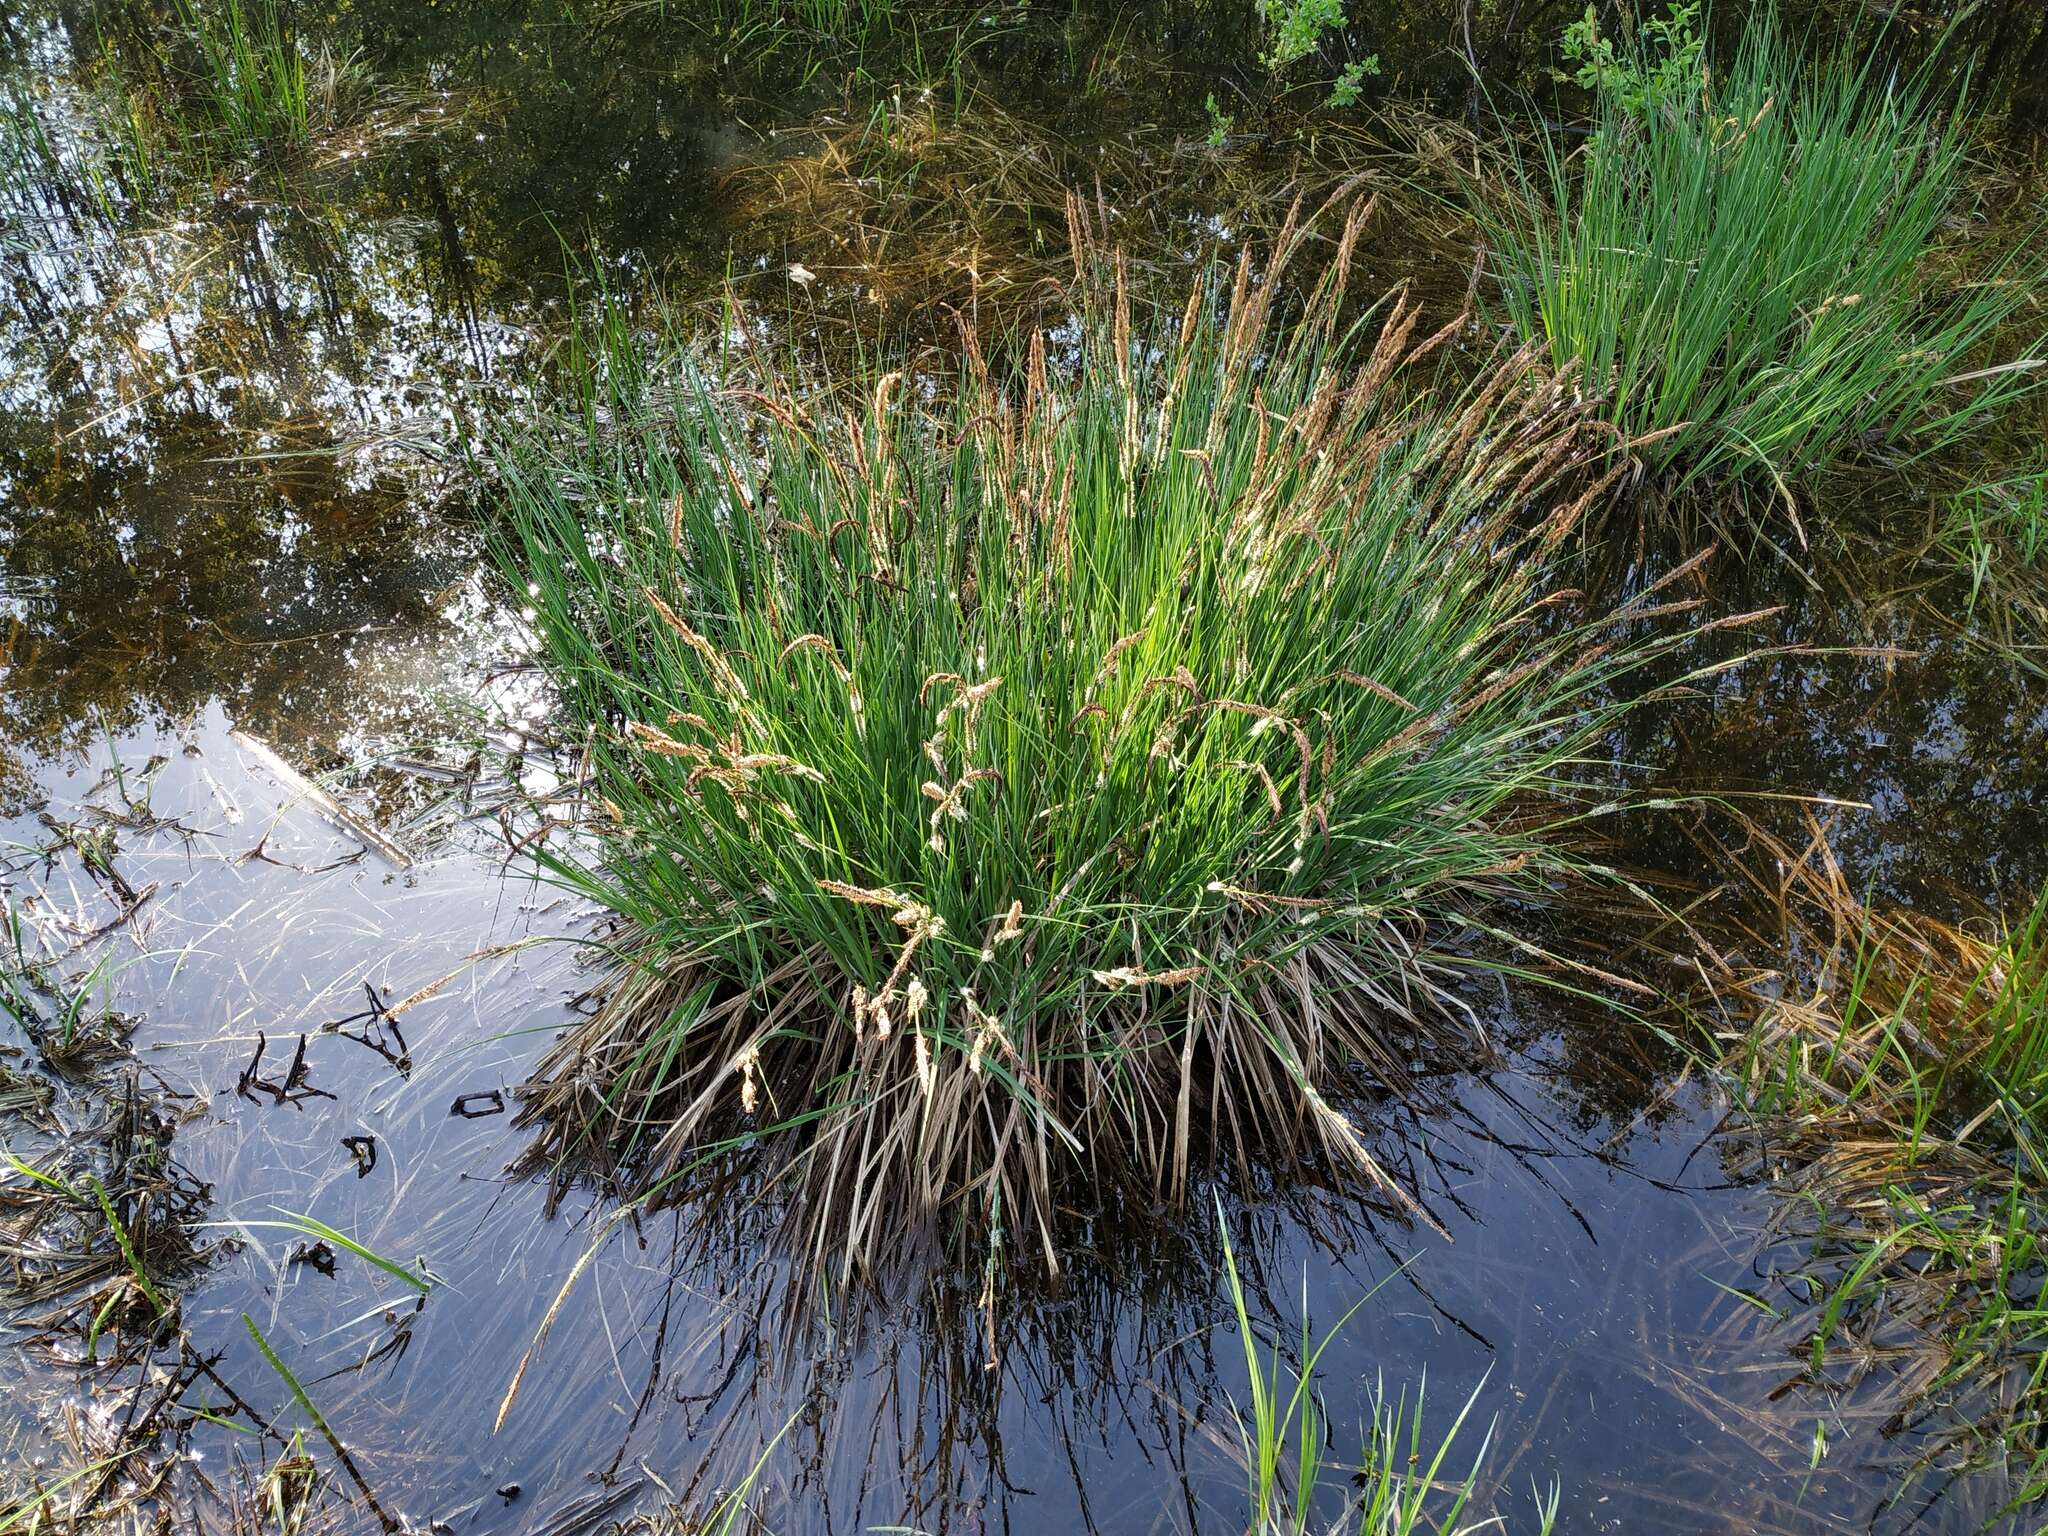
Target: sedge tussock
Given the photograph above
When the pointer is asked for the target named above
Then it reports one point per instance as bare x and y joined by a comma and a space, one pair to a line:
1755, 267
1071, 773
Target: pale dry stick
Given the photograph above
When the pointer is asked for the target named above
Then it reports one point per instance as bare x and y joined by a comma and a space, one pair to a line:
321, 800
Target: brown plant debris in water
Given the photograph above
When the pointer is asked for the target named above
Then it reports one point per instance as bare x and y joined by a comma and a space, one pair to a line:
929, 210
71, 1267
1889, 1089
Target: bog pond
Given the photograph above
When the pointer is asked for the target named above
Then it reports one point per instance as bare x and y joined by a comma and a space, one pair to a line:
288, 1237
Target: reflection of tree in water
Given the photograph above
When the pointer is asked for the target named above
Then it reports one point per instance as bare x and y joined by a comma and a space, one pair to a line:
208, 482
580, 130
381, 297
143, 589
177, 518
1941, 749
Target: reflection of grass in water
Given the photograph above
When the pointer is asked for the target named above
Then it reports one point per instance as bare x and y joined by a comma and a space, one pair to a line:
730, 1511
1904, 1102
1143, 1308
886, 37
1079, 775
87, 179
56, 1011
1748, 270
25, 1096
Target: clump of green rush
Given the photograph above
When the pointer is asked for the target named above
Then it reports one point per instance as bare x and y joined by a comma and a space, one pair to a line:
1752, 267
1085, 766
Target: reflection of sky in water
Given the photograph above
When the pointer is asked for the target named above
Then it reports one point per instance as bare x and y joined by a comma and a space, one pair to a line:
1578, 1288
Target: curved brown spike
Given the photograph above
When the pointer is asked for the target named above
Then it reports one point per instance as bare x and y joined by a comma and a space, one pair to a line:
1232, 344
1437, 338
1034, 375
970, 348
1543, 467
1190, 315
1078, 240
885, 388
1388, 349
1568, 517
1347, 245
1121, 330
1287, 239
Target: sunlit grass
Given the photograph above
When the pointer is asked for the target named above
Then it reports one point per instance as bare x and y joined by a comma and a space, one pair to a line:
1756, 273
174, 101
84, 181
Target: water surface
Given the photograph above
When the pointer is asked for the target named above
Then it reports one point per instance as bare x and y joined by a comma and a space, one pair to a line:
234, 521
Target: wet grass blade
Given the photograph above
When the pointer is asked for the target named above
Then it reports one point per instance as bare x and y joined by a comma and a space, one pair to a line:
313, 1227
128, 1253
26, 1512
726, 1513
47, 1180
312, 1412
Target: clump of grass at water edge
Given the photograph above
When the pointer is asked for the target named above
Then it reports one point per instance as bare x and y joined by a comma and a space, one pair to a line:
1901, 1107
1753, 265
1091, 765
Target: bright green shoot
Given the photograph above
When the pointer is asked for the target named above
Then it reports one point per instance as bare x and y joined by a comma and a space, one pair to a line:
319, 1420
1402, 1484
2013, 989
320, 1231
1754, 275
1280, 1415
127, 1247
